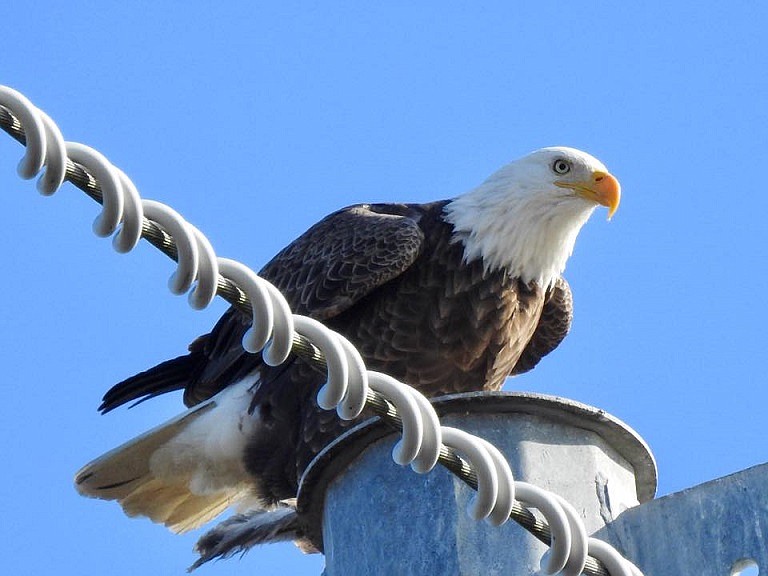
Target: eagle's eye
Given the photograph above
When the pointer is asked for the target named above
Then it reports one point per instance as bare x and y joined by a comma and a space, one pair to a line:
561, 166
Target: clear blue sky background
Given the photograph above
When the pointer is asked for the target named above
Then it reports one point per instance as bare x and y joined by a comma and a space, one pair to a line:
255, 121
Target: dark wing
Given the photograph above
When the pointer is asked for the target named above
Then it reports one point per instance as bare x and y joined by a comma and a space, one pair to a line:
345, 256
553, 326
322, 273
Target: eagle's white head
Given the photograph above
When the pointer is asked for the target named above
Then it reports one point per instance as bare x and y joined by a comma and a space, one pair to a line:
525, 217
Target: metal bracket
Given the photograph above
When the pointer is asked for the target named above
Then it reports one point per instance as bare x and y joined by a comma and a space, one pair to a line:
713, 529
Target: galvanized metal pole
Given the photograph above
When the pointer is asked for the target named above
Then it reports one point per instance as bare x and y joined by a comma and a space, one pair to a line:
379, 518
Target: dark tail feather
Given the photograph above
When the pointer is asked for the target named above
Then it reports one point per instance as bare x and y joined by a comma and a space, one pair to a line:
166, 377
241, 532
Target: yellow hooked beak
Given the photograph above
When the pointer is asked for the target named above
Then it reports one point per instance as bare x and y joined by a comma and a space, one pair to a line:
603, 188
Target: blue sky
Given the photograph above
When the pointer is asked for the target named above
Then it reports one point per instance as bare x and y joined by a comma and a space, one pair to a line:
255, 121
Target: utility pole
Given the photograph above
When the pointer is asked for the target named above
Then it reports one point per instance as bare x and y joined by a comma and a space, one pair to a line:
371, 516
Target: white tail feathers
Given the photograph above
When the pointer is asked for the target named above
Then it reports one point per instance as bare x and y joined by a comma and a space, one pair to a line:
184, 472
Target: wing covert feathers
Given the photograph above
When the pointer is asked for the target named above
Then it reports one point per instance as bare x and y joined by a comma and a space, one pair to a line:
345, 256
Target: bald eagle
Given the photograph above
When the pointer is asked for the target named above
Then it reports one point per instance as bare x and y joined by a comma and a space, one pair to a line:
449, 296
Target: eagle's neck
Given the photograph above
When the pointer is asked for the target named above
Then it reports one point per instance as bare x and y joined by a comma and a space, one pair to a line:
528, 235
